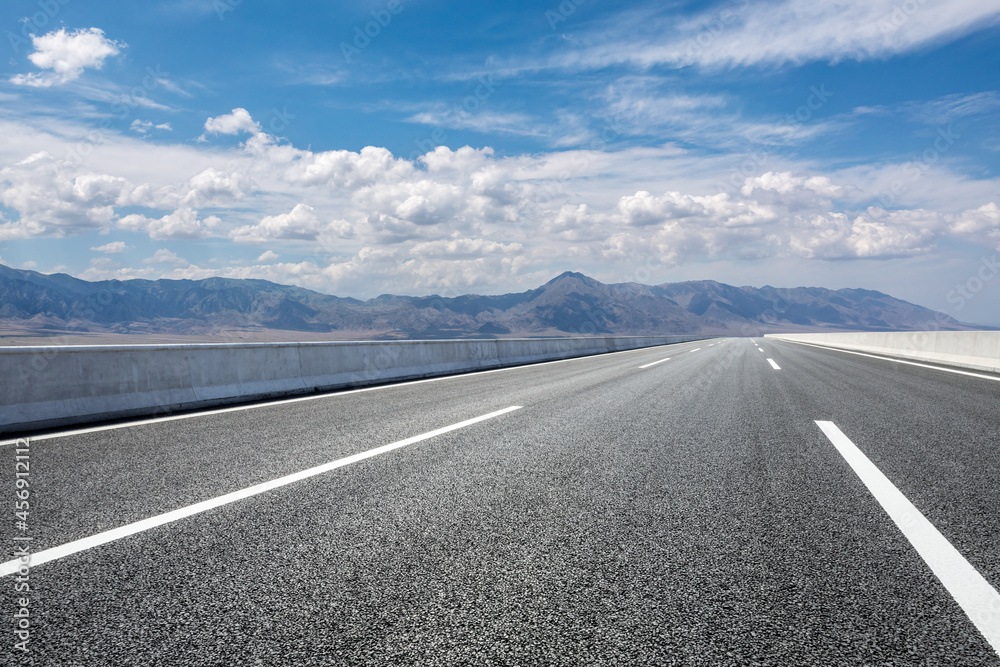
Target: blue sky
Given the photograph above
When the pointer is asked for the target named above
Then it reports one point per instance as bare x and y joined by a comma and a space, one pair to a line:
440, 147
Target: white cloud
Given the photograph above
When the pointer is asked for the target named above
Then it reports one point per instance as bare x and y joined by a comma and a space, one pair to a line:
66, 55
643, 209
268, 256
57, 197
793, 192
164, 256
300, 223
981, 224
235, 122
649, 106
637, 106
113, 247
785, 183
105, 268
144, 126
464, 249
793, 32
336, 169
484, 121
183, 223
984, 218
465, 219
951, 108
211, 185
417, 203
875, 234
313, 74
939, 111
397, 274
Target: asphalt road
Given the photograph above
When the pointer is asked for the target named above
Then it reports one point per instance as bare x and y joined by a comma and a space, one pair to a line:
688, 512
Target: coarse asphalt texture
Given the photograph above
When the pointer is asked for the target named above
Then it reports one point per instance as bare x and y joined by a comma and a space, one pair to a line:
687, 513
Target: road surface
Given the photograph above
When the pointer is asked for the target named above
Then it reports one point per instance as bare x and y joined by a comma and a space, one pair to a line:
697, 503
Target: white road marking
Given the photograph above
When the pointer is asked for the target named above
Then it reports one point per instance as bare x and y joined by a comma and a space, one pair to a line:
760, 349
978, 599
77, 546
655, 362
695, 349
995, 378
774, 365
313, 397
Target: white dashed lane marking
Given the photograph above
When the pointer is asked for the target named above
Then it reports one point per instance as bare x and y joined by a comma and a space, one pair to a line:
978, 599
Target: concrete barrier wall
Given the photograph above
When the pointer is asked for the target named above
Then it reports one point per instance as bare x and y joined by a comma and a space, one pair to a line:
979, 350
51, 386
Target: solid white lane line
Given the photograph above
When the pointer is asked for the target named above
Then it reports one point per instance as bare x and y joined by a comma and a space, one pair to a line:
655, 362
978, 599
902, 361
146, 524
312, 397
774, 365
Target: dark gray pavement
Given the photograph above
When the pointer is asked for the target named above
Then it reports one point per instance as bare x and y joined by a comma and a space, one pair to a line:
688, 513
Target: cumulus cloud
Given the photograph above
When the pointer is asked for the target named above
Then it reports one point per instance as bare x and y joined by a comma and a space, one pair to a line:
464, 248
794, 192
469, 217
574, 223
337, 168
110, 248
385, 198
211, 185
796, 221
874, 234
268, 256
57, 197
183, 223
65, 55
300, 223
106, 268
785, 182
414, 203
981, 224
398, 273
164, 256
986, 218
642, 209
235, 122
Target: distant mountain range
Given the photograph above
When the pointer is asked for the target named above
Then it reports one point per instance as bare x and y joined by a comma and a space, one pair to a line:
570, 304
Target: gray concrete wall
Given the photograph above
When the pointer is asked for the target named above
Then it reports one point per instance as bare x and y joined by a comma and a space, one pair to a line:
52, 386
979, 350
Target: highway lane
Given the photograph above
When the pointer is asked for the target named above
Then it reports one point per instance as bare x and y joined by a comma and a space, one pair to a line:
688, 512
935, 434
109, 477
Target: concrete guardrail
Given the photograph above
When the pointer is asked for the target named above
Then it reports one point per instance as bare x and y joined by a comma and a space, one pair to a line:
978, 350
53, 386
